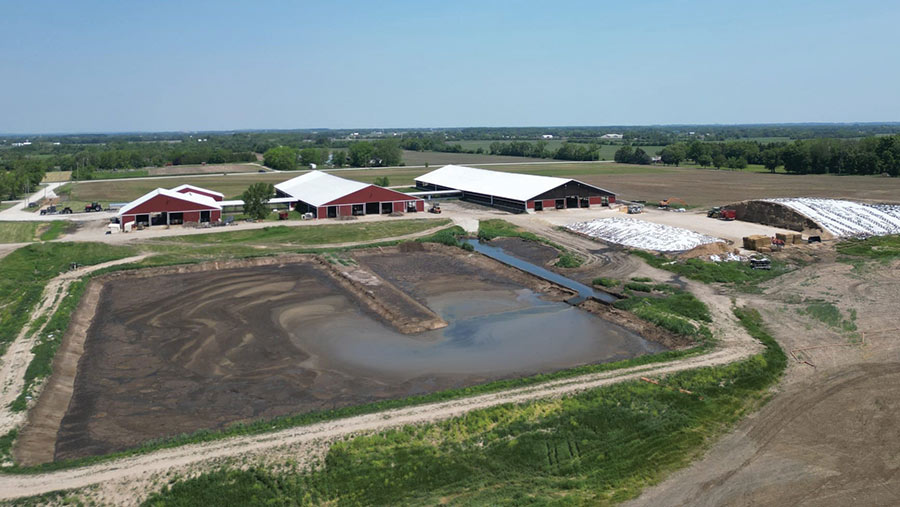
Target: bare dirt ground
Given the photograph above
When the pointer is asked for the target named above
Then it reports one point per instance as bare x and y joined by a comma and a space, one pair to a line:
708, 187
829, 436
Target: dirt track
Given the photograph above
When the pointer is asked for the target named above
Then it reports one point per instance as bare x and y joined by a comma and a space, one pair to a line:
18, 355
830, 436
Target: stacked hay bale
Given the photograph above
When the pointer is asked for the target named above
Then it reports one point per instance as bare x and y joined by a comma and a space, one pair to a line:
790, 238
757, 241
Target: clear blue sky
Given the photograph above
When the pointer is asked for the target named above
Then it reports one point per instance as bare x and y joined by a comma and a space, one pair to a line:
90, 66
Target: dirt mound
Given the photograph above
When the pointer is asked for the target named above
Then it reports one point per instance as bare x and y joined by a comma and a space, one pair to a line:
707, 250
775, 215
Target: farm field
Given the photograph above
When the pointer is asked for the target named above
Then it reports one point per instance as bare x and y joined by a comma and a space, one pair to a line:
437, 158
699, 187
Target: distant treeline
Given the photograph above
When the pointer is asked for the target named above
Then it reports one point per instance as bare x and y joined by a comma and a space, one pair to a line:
534, 149
870, 155
381, 153
83, 160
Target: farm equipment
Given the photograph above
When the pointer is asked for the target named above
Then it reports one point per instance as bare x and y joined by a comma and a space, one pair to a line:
66, 211
435, 208
721, 213
94, 206
664, 204
282, 215
777, 244
814, 239
49, 210
635, 209
759, 262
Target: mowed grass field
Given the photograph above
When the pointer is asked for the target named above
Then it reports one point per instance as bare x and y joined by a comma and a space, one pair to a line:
26, 232
702, 187
316, 235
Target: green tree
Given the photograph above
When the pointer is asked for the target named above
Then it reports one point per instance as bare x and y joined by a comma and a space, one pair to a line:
256, 200
387, 152
382, 181
718, 160
771, 158
338, 158
282, 158
624, 154
705, 160
360, 153
673, 154
312, 156
736, 163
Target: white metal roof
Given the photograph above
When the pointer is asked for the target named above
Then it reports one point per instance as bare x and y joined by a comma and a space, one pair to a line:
203, 200
519, 187
317, 188
192, 188
274, 200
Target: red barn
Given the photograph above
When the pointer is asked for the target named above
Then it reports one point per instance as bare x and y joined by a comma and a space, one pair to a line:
183, 189
327, 196
168, 207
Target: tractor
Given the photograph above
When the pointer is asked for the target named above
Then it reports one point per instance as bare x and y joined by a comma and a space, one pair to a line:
665, 203
94, 206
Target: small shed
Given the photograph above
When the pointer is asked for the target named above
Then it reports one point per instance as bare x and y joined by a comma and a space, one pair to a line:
168, 207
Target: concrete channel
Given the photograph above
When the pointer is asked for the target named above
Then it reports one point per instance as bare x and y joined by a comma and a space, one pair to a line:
584, 292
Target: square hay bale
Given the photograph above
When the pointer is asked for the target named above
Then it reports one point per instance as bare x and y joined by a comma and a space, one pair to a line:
757, 241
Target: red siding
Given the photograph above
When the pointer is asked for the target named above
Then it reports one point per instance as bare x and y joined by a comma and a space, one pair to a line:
345, 211
193, 216
322, 212
612, 199
549, 204
529, 204
596, 200
215, 197
420, 205
399, 207
373, 193
169, 204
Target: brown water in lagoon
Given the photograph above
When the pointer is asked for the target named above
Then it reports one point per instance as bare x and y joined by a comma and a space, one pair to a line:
492, 333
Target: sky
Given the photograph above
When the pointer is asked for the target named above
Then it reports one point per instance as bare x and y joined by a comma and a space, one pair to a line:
114, 66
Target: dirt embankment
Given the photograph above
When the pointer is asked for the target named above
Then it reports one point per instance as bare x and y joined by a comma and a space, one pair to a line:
436, 267
633, 323
775, 215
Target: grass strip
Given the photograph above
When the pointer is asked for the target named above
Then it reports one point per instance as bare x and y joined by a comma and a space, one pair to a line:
315, 235
48, 343
739, 274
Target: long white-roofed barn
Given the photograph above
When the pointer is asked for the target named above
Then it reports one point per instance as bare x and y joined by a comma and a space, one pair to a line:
515, 192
